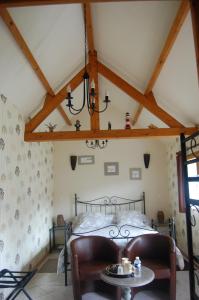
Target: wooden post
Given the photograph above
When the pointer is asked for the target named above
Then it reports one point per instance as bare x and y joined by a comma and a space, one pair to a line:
95, 123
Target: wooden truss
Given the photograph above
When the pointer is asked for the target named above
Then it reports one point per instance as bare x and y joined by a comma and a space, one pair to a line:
145, 100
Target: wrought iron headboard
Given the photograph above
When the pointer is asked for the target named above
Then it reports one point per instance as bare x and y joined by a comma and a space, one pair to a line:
111, 204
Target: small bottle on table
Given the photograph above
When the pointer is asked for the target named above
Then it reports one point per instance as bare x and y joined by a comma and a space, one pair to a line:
137, 267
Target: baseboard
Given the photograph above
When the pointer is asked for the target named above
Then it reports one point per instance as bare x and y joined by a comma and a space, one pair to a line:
41, 261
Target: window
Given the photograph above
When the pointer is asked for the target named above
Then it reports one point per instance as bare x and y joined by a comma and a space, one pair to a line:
193, 171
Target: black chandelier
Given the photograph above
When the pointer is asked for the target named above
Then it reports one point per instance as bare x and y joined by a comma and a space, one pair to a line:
96, 144
88, 87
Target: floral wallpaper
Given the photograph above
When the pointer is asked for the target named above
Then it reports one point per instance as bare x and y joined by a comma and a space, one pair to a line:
26, 193
180, 218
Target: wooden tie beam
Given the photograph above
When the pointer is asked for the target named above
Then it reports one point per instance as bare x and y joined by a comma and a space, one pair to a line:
105, 134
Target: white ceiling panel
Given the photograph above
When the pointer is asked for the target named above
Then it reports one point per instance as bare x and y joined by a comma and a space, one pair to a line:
17, 79
130, 35
177, 86
55, 36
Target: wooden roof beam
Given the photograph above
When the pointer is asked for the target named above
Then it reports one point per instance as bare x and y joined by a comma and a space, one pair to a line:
53, 101
173, 33
195, 24
137, 114
105, 134
18, 3
9, 22
89, 26
64, 115
147, 101
94, 118
175, 28
93, 72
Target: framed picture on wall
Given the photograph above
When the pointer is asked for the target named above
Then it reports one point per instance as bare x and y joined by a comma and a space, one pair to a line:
135, 173
86, 160
111, 168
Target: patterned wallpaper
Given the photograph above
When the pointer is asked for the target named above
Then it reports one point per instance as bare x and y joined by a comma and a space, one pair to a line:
180, 220
26, 193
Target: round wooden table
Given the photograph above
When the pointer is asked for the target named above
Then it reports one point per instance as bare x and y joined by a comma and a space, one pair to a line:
147, 275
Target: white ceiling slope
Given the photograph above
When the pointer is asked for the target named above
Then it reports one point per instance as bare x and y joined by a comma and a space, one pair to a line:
128, 36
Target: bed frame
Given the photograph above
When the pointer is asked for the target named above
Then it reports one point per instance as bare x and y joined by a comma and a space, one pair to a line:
106, 205
112, 204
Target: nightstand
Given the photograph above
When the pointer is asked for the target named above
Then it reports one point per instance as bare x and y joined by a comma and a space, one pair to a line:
65, 234
168, 227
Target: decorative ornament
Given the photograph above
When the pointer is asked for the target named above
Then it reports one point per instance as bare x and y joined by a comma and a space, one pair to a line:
77, 125
51, 127
128, 123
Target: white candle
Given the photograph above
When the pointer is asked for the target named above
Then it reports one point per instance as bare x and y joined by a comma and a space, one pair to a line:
69, 89
93, 84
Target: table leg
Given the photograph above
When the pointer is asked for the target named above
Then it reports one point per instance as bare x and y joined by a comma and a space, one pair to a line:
126, 293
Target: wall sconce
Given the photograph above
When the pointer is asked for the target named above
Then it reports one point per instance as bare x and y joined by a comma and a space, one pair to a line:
73, 161
146, 160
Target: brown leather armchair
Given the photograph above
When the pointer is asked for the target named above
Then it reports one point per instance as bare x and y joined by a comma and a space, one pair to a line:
89, 256
156, 251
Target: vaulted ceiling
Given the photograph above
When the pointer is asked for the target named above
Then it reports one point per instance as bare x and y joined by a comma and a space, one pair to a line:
128, 37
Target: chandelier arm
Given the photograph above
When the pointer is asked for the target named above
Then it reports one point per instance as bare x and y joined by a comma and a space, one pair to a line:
73, 113
89, 107
100, 111
80, 109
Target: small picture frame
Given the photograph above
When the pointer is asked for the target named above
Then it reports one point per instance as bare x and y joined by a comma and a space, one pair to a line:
135, 173
111, 168
86, 160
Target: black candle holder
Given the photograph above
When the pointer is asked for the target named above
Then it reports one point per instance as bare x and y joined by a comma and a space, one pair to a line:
146, 160
73, 161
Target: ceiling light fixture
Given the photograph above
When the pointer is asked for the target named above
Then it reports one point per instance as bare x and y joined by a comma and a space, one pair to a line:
89, 92
97, 144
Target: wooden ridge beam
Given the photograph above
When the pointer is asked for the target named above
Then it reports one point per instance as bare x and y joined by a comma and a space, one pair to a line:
53, 101
147, 101
9, 22
17, 3
173, 33
195, 24
105, 134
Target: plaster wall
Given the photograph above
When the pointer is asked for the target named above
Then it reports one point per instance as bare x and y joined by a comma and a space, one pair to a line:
89, 181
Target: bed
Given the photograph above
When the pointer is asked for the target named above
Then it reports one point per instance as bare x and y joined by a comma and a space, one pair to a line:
117, 218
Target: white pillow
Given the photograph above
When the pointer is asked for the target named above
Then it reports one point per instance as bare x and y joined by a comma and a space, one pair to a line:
93, 220
134, 218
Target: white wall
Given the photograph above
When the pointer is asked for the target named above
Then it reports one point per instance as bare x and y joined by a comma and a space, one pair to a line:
88, 181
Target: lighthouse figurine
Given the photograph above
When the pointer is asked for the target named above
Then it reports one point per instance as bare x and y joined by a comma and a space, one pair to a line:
128, 124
